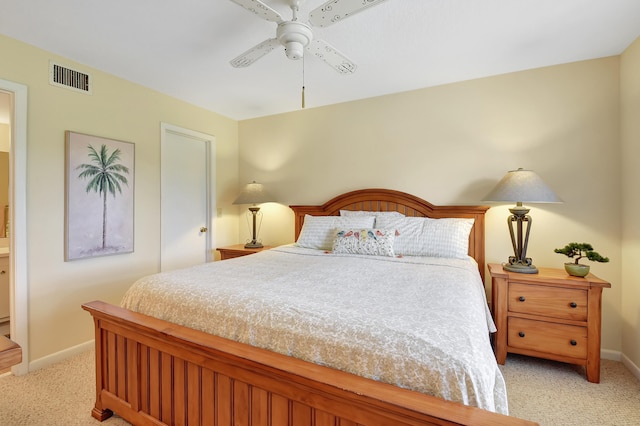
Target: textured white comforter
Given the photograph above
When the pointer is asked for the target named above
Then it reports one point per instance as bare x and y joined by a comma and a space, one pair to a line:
417, 323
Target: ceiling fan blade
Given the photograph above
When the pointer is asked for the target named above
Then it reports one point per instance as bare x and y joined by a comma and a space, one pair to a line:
255, 53
336, 10
323, 50
260, 9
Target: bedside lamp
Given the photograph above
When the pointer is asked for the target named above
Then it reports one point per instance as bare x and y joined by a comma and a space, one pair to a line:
253, 193
521, 186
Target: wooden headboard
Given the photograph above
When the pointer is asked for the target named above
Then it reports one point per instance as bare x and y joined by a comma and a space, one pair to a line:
407, 204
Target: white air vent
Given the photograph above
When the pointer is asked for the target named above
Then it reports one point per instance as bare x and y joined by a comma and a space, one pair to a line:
62, 76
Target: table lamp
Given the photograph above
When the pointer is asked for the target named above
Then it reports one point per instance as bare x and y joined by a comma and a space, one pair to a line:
521, 186
253, 193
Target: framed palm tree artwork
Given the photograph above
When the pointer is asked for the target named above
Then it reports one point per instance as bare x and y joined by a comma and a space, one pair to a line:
99, 196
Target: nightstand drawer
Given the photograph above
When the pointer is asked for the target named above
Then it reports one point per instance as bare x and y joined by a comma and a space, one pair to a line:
239, 250
552, 338
232, 254
556, 302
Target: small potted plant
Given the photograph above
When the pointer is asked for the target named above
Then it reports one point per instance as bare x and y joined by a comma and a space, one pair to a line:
577, 251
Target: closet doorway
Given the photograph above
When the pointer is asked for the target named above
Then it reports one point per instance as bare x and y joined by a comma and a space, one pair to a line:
14, 109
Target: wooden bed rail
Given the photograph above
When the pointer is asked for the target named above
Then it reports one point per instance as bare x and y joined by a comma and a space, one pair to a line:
153, 372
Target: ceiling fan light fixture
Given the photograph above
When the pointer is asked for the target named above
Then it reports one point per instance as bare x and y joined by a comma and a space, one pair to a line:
294, 36
294, 50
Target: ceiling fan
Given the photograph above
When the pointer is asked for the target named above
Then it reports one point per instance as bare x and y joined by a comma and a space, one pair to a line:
296, 36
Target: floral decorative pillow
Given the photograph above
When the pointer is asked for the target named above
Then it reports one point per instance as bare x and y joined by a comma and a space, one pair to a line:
318, 231
374, 242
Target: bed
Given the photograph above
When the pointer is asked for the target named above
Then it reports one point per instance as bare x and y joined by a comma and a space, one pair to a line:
245, 366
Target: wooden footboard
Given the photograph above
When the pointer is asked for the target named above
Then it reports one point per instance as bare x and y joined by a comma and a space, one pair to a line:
152, 372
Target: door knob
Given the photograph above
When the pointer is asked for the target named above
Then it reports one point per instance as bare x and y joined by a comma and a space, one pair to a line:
203, 229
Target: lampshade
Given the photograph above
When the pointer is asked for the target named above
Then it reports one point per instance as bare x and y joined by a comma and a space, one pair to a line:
522, 186
253, 193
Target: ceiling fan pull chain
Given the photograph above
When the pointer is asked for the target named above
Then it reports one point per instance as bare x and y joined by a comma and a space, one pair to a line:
303, 81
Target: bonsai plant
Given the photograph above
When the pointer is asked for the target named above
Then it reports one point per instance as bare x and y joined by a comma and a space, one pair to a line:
577, 251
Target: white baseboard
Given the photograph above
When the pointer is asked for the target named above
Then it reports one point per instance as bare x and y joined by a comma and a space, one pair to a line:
635, 370
60, 356
611, 355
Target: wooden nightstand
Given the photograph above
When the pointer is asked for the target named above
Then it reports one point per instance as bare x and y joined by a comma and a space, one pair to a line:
548, 315
238, 250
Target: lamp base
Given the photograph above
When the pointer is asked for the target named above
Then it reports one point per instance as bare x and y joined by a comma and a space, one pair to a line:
520, 268
254, 241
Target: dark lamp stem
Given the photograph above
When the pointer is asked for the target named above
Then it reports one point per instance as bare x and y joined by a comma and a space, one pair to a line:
254, 241
519, 262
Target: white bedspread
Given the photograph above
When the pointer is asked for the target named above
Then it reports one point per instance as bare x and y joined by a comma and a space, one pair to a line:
417, 323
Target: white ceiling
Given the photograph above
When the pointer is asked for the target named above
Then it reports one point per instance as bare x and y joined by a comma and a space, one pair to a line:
183, 48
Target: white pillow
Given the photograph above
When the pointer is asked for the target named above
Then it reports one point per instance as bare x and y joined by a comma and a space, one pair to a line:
318, 232
422, 236
375, 242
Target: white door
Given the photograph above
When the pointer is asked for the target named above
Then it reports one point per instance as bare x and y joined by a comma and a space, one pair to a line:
186, 197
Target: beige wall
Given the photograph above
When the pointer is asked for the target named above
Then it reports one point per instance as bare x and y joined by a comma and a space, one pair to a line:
630, 100
120, 110
4, 135
450, 145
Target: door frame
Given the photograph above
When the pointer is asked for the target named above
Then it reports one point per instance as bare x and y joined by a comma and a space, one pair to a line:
210, 161
18, 286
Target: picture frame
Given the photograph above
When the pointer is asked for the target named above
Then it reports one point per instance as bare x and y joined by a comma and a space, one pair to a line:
99, 196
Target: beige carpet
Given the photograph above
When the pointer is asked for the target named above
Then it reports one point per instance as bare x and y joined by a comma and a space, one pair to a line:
553, 393
544, 391
60, 395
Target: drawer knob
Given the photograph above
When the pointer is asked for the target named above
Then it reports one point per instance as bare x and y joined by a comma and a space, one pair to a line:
521, 298
573, 342
521, 334
573, 304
